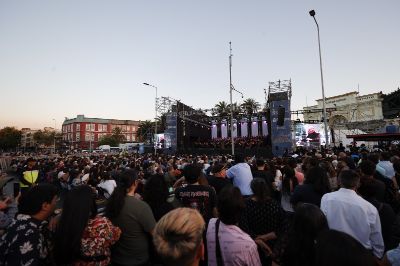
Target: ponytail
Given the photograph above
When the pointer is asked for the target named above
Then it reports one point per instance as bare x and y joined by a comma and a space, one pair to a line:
117, 200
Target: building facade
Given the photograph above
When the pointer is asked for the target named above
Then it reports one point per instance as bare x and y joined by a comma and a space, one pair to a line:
349, 110
84, 133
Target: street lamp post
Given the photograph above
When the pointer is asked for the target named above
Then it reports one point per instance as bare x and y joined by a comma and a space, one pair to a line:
312, 13
54, 139
155, 120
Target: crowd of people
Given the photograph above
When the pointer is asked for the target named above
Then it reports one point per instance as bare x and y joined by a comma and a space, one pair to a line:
240, 142
314, 208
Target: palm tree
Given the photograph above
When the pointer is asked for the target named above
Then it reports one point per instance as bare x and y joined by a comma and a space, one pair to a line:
250, 106
236, 109
221, 109
144, 129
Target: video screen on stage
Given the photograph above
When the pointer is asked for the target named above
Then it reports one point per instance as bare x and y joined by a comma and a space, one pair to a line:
160, 140
309, 135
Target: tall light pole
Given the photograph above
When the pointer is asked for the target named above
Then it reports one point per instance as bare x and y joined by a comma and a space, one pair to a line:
230, 95
54, 140
312, 13
155, 120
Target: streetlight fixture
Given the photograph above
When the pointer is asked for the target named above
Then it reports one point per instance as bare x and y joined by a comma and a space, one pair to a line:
155, 120
312, 13
54, 139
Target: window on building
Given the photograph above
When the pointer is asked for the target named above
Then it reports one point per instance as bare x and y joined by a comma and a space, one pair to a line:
124, 128
87, 127
92, 127
77, 137
133, 138
133, 128
78, 127
87, 136
92, 136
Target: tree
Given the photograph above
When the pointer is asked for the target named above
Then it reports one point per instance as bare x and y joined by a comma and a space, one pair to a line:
236, 109
108, 140
250, 106
145, 128
221, 109
10, 137
45, 138
117, 135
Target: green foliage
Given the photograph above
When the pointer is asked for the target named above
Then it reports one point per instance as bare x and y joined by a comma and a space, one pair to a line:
145, 128
222, 109
45, 138
10, 137
250, 106
108, 140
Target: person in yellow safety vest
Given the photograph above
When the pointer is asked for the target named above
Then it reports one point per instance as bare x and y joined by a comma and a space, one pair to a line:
29, 176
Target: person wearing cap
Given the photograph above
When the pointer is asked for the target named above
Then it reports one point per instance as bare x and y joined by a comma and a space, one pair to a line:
29, 176
218, 179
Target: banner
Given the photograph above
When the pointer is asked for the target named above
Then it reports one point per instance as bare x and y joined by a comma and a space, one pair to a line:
280, 135
214, 129
235, 129
170, 134
224, 129
264, 127
243, 127
254, 127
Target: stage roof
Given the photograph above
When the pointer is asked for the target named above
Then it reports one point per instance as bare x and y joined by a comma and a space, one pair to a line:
375, 137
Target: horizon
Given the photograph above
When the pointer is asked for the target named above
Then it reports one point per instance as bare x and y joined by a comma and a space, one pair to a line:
65, 58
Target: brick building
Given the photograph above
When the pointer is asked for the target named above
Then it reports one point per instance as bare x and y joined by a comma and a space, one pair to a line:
84, 133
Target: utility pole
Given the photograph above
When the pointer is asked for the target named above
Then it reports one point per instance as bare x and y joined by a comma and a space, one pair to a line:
230, 95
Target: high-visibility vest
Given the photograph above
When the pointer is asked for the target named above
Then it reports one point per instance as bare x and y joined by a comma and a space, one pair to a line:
30, 177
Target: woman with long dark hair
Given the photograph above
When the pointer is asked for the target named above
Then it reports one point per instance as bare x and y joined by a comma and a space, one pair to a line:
297, 247
82, 237
156, 194
263, 217
135, 219
289, 183
315, 186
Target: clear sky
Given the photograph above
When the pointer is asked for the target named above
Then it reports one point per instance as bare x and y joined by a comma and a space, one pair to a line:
67, 57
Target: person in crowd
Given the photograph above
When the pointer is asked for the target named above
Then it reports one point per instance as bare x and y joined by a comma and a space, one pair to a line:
261, 172
135, 219
156, 194
82, 237
27, 239
348, 212
241, 175
299, 175
334, 248
107, 184
367, 169
29, 175
385, 166
226, 242
392, 191
331, 173
316, 184
396, 167
289, 183
196, 196
218, 178
390, 230
347, 159
296, 248
263, 218
178, 237
8, 203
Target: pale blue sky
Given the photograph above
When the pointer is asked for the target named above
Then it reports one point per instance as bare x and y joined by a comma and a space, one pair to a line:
68, 57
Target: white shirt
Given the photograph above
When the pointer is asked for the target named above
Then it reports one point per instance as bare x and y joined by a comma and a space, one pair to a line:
349, 213
241, 175
108, 185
